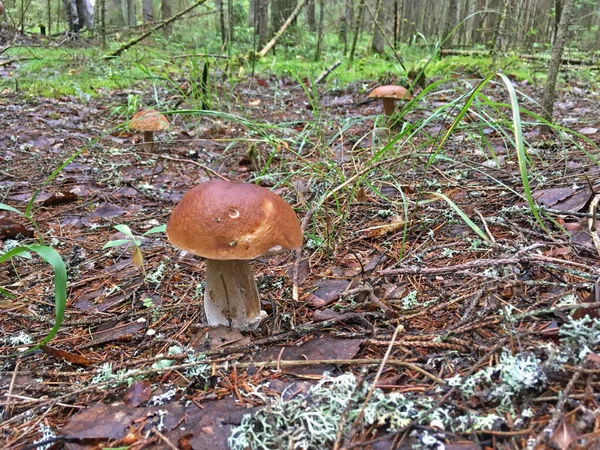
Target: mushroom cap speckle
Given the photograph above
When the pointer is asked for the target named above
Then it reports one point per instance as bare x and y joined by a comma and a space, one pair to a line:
148, 120
223, 220
390, 91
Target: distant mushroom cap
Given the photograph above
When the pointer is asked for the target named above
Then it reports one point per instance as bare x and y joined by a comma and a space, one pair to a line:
223, 220
1, 8
148, 120
390, 91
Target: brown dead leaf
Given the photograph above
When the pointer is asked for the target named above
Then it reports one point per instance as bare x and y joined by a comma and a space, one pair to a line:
60, 197
9, 229
72, 358
138, 393
563, 199
254, 102
563, 435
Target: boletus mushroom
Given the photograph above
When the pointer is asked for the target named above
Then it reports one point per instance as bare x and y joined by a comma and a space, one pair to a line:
228, 224
148, 121
390, 94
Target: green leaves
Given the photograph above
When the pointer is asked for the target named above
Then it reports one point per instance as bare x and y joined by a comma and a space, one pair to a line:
51, 256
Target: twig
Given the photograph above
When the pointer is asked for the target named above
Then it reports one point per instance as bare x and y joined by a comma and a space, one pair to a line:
208, 170
9, 410
593, 223
558, 411
327, 71
298, 258
414, 270
359, 418
164, 439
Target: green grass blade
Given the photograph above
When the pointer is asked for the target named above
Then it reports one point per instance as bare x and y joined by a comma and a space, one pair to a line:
52, 257
462, 215
6, 207
521, 154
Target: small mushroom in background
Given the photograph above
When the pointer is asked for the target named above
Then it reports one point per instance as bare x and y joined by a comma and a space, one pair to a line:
390, 94
149, 121
228, 224
1, 9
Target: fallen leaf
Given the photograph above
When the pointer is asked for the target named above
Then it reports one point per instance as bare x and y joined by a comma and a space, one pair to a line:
10, 229
588, 130
381, 230
138, 393
254, 102
108, 210
67, 356
137, 258
60, 197
563, 435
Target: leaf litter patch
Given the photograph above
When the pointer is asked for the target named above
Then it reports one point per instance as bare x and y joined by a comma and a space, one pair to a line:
478, 321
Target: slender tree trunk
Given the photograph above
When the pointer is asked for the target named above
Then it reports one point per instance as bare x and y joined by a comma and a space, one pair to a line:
311, 19
558, 9
221, 29
500, 41
250, 17
359, 15
449, 23
320, 34
378, 44
262, 9
554, 65
165, 13
147, 10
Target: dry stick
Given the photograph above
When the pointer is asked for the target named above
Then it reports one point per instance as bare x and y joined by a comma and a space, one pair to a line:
558, 411
163, 438
359, 418
189, 161
134, 41
9, 410
327, 71
414, 270
286, 24
593, 223
298, 259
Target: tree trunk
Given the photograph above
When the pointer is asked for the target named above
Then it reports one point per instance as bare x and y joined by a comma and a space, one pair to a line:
165, 13
147, 10
220, 25
558, 9
500, 41
359, 16
378, 44
262, 9
311, 19
320, 34
554, 66
250, 17
449, 23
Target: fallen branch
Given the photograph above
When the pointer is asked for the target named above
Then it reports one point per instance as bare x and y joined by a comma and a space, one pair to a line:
286, 24
327, 71
134, 41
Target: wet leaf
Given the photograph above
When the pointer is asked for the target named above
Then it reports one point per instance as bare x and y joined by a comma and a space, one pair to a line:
59, 197
9, 229
108, 210
138, 393
563, 435
63, 355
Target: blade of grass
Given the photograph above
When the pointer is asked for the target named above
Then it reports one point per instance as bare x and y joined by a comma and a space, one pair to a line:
51, 256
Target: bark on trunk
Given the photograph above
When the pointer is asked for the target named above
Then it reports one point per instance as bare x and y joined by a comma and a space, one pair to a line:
378, 43
262, 9
554, 66
147, 10
230, 296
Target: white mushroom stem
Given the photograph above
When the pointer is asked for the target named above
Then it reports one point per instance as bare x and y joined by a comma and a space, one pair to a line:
231, 296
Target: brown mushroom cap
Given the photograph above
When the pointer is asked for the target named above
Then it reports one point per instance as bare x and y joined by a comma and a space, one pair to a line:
148, 120
223, 220
390, 91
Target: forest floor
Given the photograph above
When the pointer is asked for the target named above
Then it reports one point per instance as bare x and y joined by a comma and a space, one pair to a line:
469, 338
